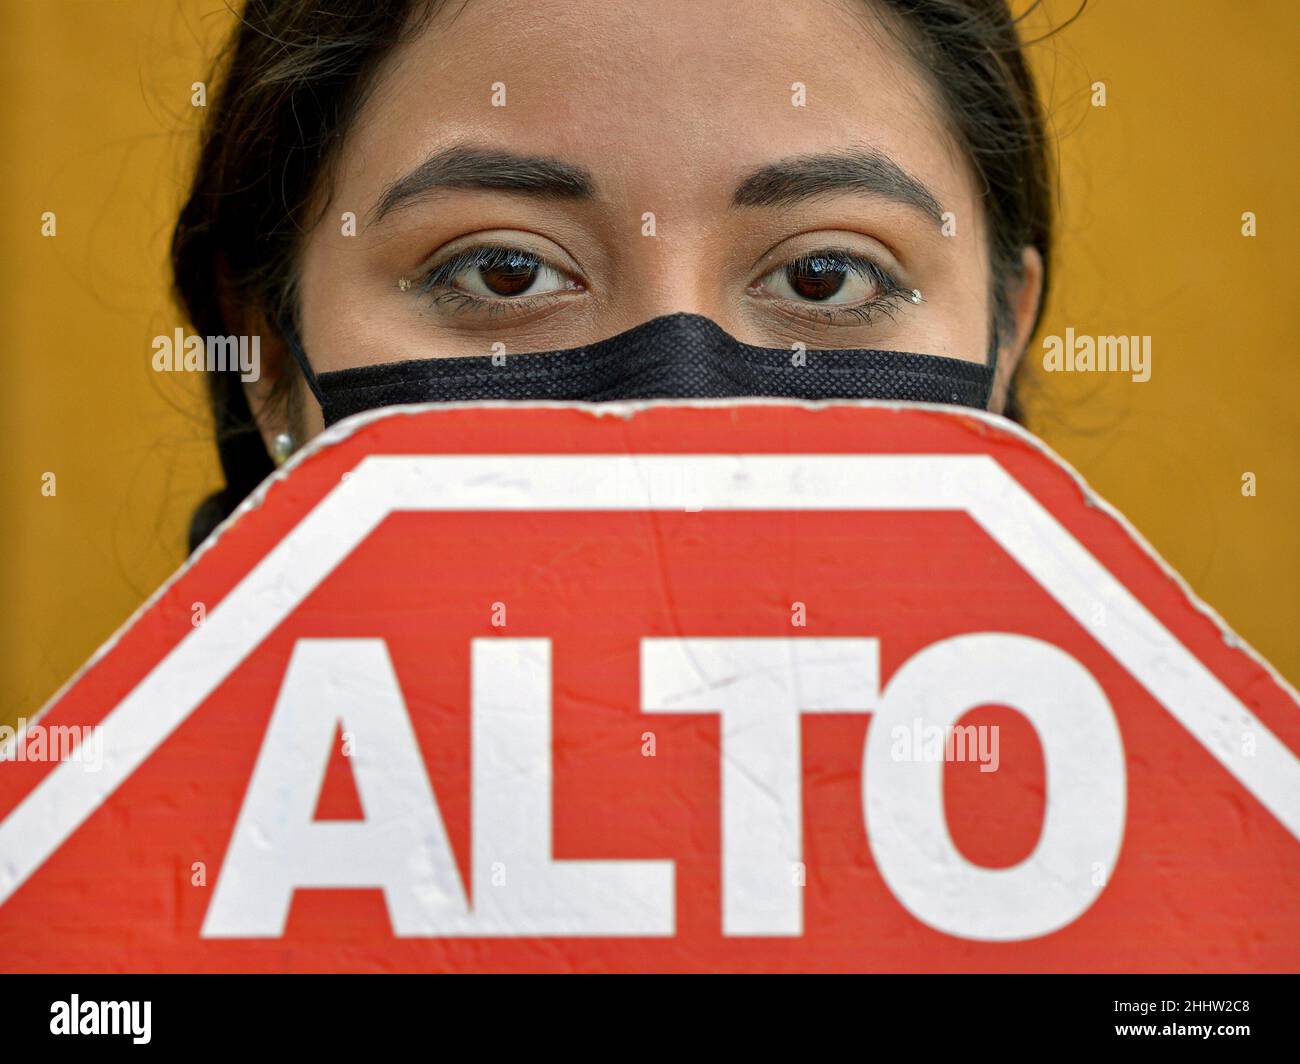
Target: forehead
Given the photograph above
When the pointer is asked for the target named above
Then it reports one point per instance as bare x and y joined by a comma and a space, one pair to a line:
664, 101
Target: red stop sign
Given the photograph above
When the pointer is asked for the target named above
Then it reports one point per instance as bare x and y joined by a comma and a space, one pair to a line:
748, 686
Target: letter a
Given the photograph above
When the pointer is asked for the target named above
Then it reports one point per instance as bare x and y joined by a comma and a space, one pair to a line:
401, 845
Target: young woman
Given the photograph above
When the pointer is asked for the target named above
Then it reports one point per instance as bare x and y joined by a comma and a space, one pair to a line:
665, 198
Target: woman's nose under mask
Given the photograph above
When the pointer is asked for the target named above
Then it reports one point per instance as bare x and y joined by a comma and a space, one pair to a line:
678, 356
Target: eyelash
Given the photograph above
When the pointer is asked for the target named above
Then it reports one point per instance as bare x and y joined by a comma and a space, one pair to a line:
435, 284
491, 256
891, 291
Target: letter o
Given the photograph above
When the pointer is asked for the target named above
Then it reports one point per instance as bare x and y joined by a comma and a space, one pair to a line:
1083, 820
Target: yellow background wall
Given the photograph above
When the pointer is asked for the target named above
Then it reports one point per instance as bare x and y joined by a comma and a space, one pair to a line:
1200, 125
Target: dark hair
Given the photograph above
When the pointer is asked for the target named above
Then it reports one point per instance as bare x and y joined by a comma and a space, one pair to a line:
294, 73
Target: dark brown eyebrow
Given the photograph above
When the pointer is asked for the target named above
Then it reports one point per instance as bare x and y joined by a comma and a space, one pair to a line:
484, 168
802, 177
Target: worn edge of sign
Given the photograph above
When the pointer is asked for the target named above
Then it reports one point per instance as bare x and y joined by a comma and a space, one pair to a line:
628, 409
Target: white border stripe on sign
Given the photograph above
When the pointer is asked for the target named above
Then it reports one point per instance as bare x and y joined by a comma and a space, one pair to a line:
383, 484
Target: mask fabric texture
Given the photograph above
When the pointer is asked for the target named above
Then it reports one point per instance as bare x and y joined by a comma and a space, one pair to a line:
678, 356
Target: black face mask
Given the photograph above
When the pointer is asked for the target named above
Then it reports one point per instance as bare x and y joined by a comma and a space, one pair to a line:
678, 356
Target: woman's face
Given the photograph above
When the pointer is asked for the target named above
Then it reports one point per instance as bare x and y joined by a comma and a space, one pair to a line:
547, 175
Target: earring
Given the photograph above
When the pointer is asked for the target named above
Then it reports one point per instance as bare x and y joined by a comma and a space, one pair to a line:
915, 297
282, 446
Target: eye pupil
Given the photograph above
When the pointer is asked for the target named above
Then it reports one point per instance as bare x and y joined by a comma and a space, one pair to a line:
511, 276
816, 278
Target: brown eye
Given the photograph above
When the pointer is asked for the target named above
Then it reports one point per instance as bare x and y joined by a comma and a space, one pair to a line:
512, 276
832, 278
499, 273
816, 278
